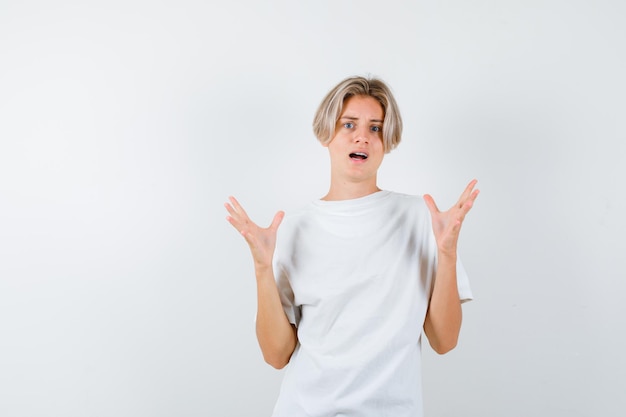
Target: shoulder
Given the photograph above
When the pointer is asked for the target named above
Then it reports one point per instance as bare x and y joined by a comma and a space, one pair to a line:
296, 216
409, 209
295, 220
407, 198
409, 201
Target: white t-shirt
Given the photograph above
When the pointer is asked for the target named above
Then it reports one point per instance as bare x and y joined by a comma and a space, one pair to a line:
355, 277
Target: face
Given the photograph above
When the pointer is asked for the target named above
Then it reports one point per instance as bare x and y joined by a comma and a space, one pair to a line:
356, 150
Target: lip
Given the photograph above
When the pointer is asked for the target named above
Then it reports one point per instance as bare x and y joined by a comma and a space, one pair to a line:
359, 151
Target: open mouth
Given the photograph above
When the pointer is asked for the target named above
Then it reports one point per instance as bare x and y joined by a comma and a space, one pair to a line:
358, 155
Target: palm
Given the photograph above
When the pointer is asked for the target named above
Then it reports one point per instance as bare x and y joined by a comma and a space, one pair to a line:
447, 224
262, 241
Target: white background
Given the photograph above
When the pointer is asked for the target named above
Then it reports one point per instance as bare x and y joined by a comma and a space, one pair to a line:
124, 126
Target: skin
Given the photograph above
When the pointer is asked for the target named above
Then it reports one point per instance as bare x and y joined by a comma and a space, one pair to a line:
359, 129
443, 318
276, 336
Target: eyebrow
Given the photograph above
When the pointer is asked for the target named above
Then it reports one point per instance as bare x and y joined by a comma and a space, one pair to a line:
356, 118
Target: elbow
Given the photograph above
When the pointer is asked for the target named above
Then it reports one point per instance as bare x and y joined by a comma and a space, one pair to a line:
277, 365
442, 338
443, 349
276, 361
444, 346
277, 356
277, 350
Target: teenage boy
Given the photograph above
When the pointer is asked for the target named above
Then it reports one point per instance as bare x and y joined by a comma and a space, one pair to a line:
347, 283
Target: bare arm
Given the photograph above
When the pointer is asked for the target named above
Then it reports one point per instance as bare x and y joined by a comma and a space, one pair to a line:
276, 335
443, 319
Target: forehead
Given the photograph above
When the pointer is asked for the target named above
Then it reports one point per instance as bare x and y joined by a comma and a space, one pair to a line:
363, 106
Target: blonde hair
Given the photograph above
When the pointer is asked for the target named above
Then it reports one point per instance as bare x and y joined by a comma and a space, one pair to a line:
331, 107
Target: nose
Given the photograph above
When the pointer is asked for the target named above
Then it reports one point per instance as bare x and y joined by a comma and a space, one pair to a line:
361, 135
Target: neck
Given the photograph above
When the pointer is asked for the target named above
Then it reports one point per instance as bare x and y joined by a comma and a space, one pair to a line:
344, 190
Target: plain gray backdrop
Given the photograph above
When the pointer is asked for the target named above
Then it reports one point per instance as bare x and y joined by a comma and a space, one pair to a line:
125, 125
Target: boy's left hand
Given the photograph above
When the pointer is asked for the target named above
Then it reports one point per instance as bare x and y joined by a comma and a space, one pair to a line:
447, 224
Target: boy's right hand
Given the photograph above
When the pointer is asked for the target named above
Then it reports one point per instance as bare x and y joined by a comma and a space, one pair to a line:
262, 241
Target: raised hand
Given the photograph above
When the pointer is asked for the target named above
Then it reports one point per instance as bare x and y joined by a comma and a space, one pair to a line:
447, 224
262, 241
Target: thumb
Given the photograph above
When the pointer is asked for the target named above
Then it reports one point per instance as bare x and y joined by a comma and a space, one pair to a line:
430, 203
278, 218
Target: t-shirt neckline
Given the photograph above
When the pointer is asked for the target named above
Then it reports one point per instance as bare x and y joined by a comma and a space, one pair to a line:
353, 202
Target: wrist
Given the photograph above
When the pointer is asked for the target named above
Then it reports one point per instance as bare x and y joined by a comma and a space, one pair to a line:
446, 256
263, 270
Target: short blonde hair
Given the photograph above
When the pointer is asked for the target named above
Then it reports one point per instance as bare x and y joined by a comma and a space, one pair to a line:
331, 107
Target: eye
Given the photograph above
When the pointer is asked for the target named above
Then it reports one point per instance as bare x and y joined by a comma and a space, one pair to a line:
376, 128
348, 125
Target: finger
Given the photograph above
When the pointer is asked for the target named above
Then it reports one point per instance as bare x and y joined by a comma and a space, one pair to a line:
430, 203
456, 227
249, 237
236, 224
238, 208
238, 214
469, 202
473, 196
467, 192
278, 218
234, 217
231, 210
465, 208
237, 219
243, 230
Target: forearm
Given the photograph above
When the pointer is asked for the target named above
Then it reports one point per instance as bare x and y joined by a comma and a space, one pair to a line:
276, 335
443, 319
